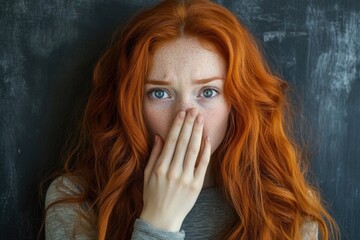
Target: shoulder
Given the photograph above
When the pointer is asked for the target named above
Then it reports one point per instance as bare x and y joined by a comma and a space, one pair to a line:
61, 188
309, 229
66, 219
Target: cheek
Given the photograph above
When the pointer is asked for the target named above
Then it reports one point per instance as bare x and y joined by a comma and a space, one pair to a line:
158, 122
215, 126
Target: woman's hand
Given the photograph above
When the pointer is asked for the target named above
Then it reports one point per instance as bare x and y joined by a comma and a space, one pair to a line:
171, 182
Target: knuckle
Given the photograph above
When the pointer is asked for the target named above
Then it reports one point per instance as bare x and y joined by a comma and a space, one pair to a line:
160, 171
186, 180
193, 150
173, 175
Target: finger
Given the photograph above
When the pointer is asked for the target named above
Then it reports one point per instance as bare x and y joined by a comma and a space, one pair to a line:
154, 155
170, 143
194, 147
176, 166
204, 162
200, 153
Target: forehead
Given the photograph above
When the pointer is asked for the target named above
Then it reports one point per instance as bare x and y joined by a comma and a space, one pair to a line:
186, 56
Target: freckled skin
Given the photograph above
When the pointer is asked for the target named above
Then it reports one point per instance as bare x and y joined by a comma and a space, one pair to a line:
180, 62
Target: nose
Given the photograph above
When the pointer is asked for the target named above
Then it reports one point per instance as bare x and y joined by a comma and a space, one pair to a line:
187, 110
185, 107
186, 104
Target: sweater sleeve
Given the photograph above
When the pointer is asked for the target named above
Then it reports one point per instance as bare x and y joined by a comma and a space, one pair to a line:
309, 229
145, 231
66, 220
69, 221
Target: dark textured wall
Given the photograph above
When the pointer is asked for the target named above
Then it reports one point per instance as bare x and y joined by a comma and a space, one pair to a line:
48, 49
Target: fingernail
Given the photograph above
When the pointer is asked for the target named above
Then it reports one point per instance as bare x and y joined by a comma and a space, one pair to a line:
182, 114
200, 119
156, 138
207, 138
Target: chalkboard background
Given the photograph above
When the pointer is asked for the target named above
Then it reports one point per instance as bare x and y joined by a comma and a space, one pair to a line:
48, 50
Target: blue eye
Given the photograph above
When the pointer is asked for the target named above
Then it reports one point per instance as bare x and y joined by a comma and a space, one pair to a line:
157, 93
208, 92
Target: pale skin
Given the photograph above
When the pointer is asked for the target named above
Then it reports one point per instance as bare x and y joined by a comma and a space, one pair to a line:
171, 182
191, 116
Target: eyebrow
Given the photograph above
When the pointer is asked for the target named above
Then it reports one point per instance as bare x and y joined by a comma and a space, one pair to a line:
198, 81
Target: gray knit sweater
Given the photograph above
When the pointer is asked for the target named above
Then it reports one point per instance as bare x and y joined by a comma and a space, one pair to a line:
206, 220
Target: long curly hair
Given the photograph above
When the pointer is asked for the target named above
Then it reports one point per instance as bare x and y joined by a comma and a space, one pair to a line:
258, 166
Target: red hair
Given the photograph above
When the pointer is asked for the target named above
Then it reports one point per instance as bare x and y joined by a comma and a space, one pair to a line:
258, 164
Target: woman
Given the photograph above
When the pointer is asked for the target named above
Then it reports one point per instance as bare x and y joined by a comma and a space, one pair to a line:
186, 133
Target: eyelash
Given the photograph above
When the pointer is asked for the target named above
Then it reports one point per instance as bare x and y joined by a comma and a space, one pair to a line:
152, 90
